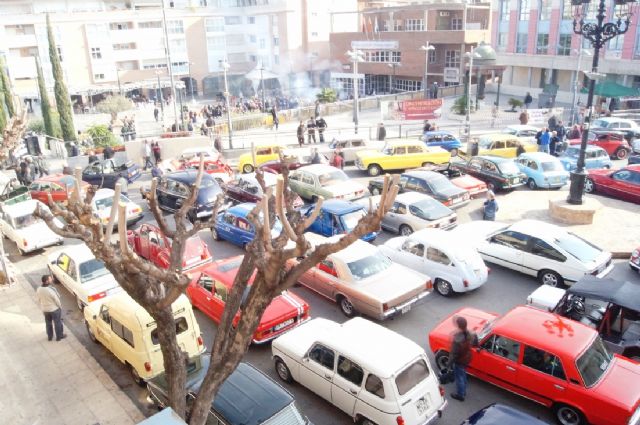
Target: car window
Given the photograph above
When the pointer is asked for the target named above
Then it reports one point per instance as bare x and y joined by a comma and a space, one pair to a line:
323, 356
71, 270
622, 175
205, 282
503, 347
437, 256
374, 385
243, 224
263, 151
399, 208
594, 362
357, 143
448, 137
350, 371
578, 247
34, 187
635, 178
511, 239
295, 177
475, 163
327, 267
156, 239
417, 372
307, 179
122, 331
181, 326
414, 248
63, 262
532, 164
414, 149
400, 150
512, 144
229, 219
543, 362
369, 266
92, 269
220, 291
498, 145
543, 249
489, 166
412, 183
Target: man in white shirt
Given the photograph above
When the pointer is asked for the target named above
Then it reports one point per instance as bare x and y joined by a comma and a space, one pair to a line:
49, 301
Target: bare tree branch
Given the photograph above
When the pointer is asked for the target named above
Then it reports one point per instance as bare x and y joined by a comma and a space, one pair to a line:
155, 210
112, 214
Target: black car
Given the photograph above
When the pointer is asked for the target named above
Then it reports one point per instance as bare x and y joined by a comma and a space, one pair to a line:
499, 414
497, 172
431, 183
173, 189
247, 397
109, 172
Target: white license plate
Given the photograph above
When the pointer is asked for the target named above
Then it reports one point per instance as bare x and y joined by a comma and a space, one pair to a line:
421, 406
405, 309
457, 200
283, 325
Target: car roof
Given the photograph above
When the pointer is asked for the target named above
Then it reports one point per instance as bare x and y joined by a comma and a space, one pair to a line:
438, 132
270, 179
317, 168
241, 210
412, 197
22, 208
616, 119
404, 143
423, 174
353, 252
80, 253
493, 158
499, 414
55, 178
625, 294
538, 228
127, 306
339, 206
103, 193
498, 136
437, 237
589, 147
187, 176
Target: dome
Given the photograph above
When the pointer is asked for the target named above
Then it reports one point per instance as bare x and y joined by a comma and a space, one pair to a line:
484, 52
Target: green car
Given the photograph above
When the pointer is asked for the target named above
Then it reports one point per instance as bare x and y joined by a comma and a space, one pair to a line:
321, 180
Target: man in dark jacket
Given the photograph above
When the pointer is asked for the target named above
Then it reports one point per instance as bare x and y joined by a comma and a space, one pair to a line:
108, 153
300, 133
382, 132
460, 356
322, 126
311, 130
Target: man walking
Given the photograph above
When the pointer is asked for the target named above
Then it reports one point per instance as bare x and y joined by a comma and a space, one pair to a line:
156, 113
311, 130
147, 155
545, 141
48, 300
527, 100
460, 356
300, 133
322, 126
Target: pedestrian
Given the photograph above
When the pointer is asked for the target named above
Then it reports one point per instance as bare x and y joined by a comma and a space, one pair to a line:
311, 130
74, 149
43, 166
490, 207
337, 160
545, 141
527, 100
156, 113
48, 300
524, 117
574, 133
494, 114
108, 152
561, 130
274, 117
92, 157
382, 132
146, 153
315, 156
316, 111
552, 122
157, 153
322, 126
553, 143
217, 143
300, 133
427, 126
23, 173
460, 356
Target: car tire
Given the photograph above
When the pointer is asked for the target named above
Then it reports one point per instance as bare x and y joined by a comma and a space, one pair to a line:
491, 186
551, 278
247, 168
532, 184
568, 415
375, 191
136, 377
621, 153
79, 303
20, 251
345, 306
366, 421
444, 288
374, 170
215, 235
283, 371
589, 186
453, 152
92, 336
405, 230
428, 165
442, 359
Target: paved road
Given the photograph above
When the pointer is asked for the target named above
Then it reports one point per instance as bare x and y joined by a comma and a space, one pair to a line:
504, 290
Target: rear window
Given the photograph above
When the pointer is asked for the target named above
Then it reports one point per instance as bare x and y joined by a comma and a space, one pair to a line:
289, 416
412, 376
181, 326
578, 247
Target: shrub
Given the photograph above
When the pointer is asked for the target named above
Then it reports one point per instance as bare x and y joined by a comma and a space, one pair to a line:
101, 136
113, 105
327, 95
460, 105
515, 103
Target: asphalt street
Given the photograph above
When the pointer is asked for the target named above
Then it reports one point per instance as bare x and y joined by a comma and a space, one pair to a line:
504, 290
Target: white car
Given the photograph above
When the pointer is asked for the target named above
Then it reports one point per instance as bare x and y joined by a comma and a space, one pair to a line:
103, 201
29, 232
86, 277
548, 252
525, 132
448, 260
373, 374
613, 123
350, 145
313, 181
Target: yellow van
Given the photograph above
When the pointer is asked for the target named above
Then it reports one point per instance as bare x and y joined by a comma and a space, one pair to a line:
130, 333
503, 145
264, 152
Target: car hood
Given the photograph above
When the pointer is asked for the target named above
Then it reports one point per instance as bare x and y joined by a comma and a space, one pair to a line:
381, 288
467, 182
476, 320
621, 384
285, 305
344, 188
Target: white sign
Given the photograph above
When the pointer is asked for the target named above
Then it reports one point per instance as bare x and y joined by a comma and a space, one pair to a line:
452, 75
345, 75
541, 116
374, 45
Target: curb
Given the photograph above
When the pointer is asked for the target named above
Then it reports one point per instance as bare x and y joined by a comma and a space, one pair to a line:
621, 255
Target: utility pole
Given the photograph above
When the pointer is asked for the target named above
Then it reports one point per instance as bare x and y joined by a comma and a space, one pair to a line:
167, 46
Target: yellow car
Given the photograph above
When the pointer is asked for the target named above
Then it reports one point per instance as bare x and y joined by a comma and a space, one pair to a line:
503, 145
264, 153
401, 155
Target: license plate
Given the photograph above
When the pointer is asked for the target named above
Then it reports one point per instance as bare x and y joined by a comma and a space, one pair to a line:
421, 406
283, 325
405, 309
556, 180
457, 200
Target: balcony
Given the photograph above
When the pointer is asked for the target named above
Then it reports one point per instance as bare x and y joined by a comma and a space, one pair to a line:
22, 67
17, 41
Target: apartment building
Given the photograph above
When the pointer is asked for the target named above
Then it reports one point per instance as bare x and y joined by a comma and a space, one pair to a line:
108, 43
534, 39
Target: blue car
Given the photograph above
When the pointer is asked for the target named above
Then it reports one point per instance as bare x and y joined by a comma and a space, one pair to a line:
499, 414
232, 225
174, 188
542, 170
595, 157
442, 139
337, 217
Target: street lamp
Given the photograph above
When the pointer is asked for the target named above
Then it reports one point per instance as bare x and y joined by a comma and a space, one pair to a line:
264, 106
225, 67
393, 65
598, 33
470, 55
427, 48
191, 82
577, 82
160, 96
355, 56
118, 76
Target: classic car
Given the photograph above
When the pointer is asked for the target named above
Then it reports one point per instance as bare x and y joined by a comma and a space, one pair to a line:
211, 155
349, 146
82, 274
294, 159
216, 169
561, 364
400, 155
623, 183
173, 189
546, 251
498, 173
474, 186
500, 414
634, 261
595, 157
150, 243
610, 306
501, 144
442, 139
320, 180
246, 188
357, 278
108, 172
629, 128
337, 217
246, 397
453, 266
60, 186
28, 232
11, 191
526, 133
232, 225
634, 158
263, 153
103, 201
210, 287
373, 374
613, 142
543, 171
428, 182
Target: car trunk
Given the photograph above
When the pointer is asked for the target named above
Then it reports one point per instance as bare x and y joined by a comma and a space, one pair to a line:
388, 289
423, 400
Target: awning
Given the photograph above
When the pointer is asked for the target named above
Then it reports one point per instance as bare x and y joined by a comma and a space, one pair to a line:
256, 75
612, 89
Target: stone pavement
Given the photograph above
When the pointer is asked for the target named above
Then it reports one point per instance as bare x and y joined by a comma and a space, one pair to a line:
48, 382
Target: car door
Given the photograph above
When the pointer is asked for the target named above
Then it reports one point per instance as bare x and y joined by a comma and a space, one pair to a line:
399, 159
93, 174
163, 194
498, 360
507, 249
218, 301
347, 383
201, 294
415, 156
60, 270
155, 245
540, 255
323, 278
395, 217
434, 140
58, 193
244, 232
143, 241
38, 192
474, 168
511, 148
225, 226
542, 375
498, 148
317, 370
103, 327
412, 255
70, 279
307, 185
624, 184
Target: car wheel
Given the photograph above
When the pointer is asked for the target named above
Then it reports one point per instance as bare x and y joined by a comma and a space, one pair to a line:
589, 187
444, 288
92, 336
374, 170
79, 303
375, 191
428, 165
283, 371
214, 234
346, 306
405, 230
621, 153
442, 359
568, 415
551, 278
532, 184
453, 152
491, 186
366, 421
20, 251
136, 377
247, 168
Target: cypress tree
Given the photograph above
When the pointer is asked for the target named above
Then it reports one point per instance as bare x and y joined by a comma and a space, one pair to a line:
45, 106
3, 117
63, 102
6, 89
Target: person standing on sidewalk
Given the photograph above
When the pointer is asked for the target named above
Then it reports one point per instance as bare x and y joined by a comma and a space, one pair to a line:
527, 100
545, 140
147, 155
300, 133
48, 300
382, 132
460, 356
322, 126
311, 130
490, 207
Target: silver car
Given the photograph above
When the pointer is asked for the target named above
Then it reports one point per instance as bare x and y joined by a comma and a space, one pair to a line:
350, 145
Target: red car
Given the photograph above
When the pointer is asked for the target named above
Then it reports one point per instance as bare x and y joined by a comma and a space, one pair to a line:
275, 167
549, 359
56, 185
623, 183
474, 186
611, 141
219, 170
148, 242
210, 286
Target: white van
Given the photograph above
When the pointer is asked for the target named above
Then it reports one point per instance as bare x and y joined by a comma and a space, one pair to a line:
130, 333
375, 375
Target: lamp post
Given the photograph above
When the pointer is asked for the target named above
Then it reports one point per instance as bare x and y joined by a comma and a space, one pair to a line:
119, 85
425, 85
191, 83
470, 55
393, 65
577, 83
264, 108
598, 33
225, 67
169, 65
355, 56
160, 96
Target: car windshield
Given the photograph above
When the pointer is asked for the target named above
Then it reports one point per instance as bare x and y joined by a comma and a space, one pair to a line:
552, 166
388, 150
368, 266
92, 269
594, 362
351, 219
417, 372
486, 329
68, 181
484, 143
25, 221
510, 130
429, 209
600, 123
508, 167
207, 181
107, 202
578, 247
332, 177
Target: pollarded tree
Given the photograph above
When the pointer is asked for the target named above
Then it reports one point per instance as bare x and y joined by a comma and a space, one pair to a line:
113, 105
155, 289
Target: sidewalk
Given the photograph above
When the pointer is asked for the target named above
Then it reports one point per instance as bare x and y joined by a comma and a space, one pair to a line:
48, 382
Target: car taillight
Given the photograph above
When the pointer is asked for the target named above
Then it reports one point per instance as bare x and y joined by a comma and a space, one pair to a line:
441, 388
24, 242
200, 341
448, 202
97, 296
385, 307
465, 283
147, 366
400, 420
488, 270
429, 285
258, 335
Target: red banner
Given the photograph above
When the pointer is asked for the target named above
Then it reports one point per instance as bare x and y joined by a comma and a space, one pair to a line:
401, 110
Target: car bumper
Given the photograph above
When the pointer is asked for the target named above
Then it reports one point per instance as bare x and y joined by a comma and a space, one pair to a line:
404, 307
635, 266
274, 335
42, 245
512, 185
456, 205
436, 415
